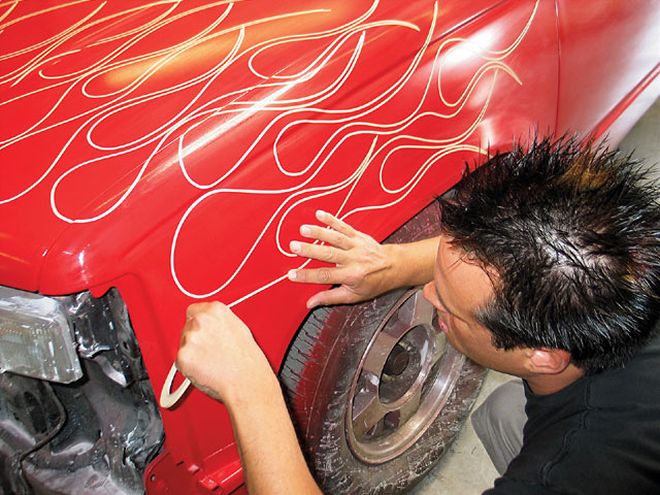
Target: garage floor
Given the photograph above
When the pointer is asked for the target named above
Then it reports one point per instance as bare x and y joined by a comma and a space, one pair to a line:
466, 469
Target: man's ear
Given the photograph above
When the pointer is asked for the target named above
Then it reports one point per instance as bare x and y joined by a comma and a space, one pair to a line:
547, 361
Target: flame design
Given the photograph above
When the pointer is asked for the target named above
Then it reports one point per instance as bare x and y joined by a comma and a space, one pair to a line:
135, 69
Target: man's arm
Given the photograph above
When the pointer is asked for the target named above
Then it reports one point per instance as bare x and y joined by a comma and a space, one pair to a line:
220, 357
363, 268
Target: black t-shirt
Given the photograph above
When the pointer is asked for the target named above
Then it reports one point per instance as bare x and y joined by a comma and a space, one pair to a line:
600, 435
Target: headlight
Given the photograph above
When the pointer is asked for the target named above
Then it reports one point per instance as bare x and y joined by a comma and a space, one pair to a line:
36, 339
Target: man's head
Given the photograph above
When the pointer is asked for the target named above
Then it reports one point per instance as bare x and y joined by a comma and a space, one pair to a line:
460, 288
568, 238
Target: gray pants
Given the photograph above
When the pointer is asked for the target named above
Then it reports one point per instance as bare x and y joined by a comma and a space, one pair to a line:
499, 423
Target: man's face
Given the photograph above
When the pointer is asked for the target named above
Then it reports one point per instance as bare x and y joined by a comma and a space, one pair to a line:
459, 288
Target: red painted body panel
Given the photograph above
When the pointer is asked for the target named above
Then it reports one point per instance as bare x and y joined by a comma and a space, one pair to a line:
607, 48
172, 150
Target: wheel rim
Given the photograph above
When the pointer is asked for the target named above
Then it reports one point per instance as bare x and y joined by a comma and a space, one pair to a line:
403, 381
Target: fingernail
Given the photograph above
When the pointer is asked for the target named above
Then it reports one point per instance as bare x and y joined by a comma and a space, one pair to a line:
310, 304
295, 246
320, 214
305, 230
292, 274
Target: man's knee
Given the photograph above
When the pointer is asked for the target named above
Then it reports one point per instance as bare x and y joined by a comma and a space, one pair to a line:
499, 422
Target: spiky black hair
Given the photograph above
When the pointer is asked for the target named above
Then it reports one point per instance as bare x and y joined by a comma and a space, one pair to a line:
572, 232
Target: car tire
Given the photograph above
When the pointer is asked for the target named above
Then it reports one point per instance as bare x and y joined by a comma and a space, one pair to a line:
376, 393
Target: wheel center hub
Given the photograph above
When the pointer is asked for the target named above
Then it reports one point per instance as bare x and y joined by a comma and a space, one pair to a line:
403, 367
397, 361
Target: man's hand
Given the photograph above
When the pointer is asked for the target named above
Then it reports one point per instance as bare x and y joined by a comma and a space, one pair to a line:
363, 268
221, 358
219, 355
362, 264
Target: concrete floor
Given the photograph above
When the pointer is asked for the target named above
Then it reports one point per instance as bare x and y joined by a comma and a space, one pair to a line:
466, 468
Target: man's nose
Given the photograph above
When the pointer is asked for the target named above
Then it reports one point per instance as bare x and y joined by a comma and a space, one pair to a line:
429, 293
431, 296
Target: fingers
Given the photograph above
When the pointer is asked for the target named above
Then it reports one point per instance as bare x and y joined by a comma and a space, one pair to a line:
338, 295
335, 223
203, 311
329, 236
205, 307
329, 254
339, 237
329, 276
205, 317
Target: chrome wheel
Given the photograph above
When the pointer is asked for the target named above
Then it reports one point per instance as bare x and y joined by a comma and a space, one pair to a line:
405, 377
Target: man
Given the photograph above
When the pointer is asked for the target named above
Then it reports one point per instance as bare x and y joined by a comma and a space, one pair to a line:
548, 269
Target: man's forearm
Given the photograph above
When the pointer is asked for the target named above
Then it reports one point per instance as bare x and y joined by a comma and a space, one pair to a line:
272, 460
412, 263
270, 453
